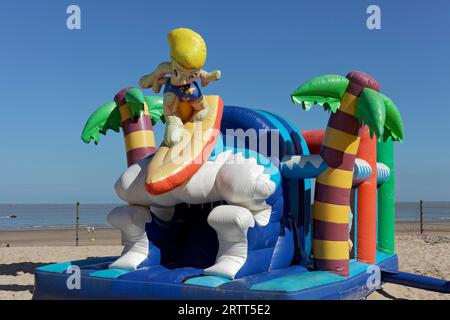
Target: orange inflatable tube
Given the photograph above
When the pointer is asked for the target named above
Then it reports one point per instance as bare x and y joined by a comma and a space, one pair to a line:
367, 201
171, 167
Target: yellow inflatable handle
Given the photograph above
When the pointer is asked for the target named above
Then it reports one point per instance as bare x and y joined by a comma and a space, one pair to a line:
172, 166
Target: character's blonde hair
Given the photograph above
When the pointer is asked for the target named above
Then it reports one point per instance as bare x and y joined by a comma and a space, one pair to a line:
187, 47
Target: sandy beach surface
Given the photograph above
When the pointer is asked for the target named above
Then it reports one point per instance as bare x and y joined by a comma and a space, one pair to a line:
23, 251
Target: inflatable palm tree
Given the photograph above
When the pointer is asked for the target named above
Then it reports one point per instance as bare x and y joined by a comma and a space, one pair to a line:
135, 114
354, 101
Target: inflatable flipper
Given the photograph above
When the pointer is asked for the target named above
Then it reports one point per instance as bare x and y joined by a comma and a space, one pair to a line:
172, 166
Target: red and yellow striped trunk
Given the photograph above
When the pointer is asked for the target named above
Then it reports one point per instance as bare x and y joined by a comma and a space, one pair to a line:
331, 210
138, 133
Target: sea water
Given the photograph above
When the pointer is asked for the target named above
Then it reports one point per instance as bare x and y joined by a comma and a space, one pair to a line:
432, 211
53, 216
61, 216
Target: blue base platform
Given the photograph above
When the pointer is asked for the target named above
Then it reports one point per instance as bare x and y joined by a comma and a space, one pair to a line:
158, 282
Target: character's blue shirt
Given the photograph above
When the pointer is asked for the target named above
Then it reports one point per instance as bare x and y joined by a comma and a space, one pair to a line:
187, 93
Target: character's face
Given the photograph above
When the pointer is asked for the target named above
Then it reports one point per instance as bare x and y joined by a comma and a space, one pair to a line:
181, 76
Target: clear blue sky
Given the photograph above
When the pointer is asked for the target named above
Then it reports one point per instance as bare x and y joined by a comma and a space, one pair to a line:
52, 78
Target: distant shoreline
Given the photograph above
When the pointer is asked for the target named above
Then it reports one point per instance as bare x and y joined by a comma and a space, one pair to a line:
55, 227
69, 227
61, 216
59, 237
109, 236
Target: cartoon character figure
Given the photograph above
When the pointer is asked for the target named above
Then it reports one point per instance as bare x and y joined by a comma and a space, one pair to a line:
183, 99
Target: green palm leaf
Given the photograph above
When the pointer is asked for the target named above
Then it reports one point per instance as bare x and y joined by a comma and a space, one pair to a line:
371, 111
326, 90
155, 107
106, 117
393, 126
135, 101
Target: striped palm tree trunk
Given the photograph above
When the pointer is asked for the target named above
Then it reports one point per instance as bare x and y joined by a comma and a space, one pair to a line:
138, 132
331, 209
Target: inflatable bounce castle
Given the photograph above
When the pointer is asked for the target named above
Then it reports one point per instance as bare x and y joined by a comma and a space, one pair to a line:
224, 208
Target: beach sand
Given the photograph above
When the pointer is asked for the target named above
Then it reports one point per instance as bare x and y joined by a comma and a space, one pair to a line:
31, 249
423, 254
32, 238
428, 255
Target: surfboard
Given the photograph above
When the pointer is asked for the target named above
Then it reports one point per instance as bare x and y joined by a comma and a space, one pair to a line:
172, 166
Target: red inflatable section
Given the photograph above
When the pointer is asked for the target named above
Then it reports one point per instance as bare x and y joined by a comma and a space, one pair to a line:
314, 140
367, 201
